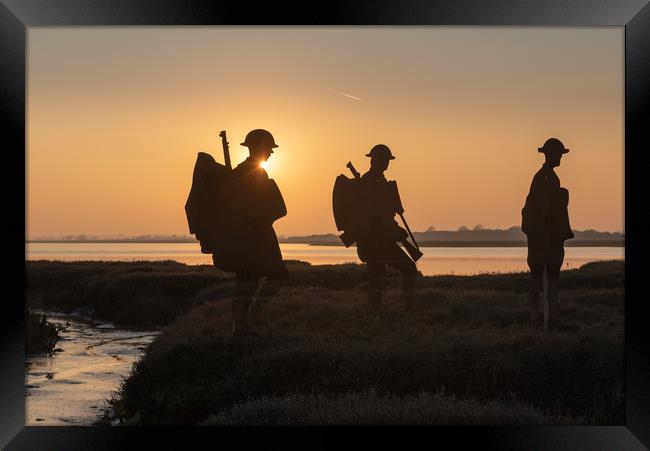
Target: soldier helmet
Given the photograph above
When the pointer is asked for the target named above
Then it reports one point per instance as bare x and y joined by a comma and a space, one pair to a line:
381, 151
259, 137
553, 144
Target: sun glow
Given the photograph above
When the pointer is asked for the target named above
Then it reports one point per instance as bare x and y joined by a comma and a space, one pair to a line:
265, 165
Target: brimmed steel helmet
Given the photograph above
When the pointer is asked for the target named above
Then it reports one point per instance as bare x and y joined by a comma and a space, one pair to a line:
259, 137
381, 151
553, 145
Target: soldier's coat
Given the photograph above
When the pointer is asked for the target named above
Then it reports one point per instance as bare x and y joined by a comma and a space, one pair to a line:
545, 219
377, 231
256, 204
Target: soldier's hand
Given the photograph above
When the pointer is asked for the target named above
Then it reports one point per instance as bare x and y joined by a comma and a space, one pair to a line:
400, 234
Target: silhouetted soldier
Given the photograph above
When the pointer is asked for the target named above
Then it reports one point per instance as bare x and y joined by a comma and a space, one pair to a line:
231, 213
545, 221
378, 233
257, 203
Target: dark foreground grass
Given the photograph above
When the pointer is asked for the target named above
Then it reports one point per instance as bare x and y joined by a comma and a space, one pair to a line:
463, 355
369, 408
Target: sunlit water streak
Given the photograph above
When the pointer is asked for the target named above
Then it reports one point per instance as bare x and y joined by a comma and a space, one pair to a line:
69, 387
436, 260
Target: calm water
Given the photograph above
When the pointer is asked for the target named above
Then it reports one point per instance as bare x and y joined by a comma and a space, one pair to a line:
69, 387
436, 260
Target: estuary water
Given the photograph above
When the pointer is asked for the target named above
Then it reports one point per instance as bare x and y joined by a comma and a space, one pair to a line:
436, 260
91, 359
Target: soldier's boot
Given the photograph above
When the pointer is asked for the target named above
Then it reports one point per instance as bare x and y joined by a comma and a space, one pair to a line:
408, 291
536, 317
375, 302
240, 321
553, 306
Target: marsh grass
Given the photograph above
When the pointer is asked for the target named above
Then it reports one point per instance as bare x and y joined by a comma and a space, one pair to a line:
463, 355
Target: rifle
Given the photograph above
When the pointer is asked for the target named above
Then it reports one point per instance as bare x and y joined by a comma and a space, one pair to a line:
226, 150
413, 251
355, 173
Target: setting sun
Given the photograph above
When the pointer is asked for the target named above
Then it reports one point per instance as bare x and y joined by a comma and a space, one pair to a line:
265, 165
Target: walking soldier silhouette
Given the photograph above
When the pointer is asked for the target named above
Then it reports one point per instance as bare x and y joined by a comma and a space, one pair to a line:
231, 212
364, 209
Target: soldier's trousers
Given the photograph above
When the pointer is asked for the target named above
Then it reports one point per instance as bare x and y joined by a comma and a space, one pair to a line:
246, 286
545, 261
394, 257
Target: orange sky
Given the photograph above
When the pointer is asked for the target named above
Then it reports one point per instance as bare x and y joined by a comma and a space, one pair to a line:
116, 116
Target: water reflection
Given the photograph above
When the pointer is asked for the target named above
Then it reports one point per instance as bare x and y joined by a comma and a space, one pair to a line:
69, 387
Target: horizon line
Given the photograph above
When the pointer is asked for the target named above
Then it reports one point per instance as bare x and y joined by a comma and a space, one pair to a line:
90, 236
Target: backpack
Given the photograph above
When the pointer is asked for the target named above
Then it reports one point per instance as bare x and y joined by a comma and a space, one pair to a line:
203, 202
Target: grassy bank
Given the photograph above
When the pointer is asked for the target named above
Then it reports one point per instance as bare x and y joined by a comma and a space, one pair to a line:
155, 293
152, 294
40, 335
463, 355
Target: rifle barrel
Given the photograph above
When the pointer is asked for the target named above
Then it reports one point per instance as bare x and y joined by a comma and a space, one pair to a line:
226, 150
354, 171
226, 156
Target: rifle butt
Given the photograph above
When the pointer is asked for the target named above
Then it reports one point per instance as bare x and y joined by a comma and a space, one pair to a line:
413, 251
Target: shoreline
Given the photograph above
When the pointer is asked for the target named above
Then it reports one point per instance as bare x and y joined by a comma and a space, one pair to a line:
489, 244
568, 243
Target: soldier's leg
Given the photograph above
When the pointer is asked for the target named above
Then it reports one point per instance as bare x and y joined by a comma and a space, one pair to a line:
534, 297
376, 285
270, 287
245, 288
553, 272
400, 261
536, 285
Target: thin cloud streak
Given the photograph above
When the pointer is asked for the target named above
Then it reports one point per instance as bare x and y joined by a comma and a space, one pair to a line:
344, 94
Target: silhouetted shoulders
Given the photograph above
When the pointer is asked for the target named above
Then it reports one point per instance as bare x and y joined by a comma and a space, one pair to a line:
545, 212
545, 178
369, 176
250, 168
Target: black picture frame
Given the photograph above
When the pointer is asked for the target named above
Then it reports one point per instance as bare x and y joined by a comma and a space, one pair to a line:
633, 15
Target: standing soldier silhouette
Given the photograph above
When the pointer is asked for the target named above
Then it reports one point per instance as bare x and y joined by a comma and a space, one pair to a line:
545, 221
366, 211
231, 212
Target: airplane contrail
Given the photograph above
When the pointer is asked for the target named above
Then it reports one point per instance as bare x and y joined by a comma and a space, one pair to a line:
344, 94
